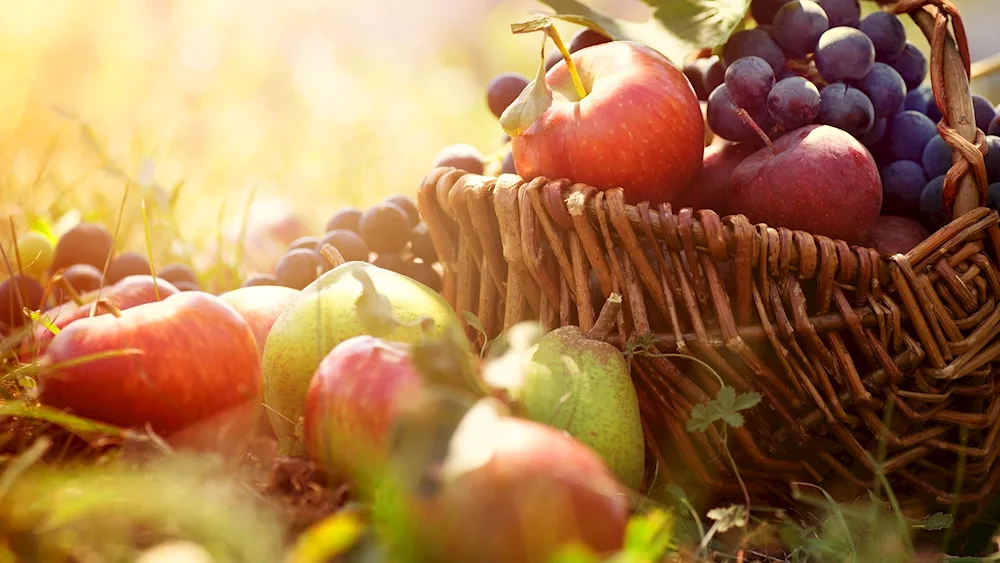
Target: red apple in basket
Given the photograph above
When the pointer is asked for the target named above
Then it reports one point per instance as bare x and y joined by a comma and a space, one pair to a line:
896, 235
352, 402
127, 293
195, 380
635, 124
817, 178
709, 192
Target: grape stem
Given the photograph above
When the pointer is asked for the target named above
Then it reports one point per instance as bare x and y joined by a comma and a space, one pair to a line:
753, 124
573, 72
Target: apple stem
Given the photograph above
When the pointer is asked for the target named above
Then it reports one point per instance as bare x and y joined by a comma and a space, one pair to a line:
109, 306
332, 255
753, 124
573, 72
608, 318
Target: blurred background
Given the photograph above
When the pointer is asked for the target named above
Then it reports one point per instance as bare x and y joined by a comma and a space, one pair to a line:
202, 103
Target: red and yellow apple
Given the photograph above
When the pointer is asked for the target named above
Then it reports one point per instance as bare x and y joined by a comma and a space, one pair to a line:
639, 126
195, 365
260, 306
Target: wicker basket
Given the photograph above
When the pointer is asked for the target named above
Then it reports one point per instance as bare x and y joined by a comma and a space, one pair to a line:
832, 336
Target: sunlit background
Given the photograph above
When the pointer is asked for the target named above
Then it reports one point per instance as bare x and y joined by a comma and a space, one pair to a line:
321, 104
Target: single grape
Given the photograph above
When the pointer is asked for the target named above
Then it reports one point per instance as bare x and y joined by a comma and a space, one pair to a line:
932, 204
461, 156
185, 285
724, 119
993, 196
917, 99
908, 135
844, 53
346, 218
902, 183
503, 89
749, 80
992, 158
86, 243
994, 128
587, 38
390, 261
705, 75
17, 292
756, 43
936, 158
875, 134
763, 11
911, 64
886, 32
423, 273
885, 88
128, 263
35, 253
984, 112
508, 164
846, 108
422, 244
842, 12
299, 268
385, 228
348, 243
260, 279
793, 102
408, 205
174, 273
798, 26
83, 278
304, 242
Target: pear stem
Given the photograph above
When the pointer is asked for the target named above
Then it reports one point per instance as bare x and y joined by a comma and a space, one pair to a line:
573, 72
608, 318
332, 255
753, 124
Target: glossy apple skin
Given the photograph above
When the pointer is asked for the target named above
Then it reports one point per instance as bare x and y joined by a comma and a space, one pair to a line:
709, 192
640, 127
260, 306
127, 293
822, 181
352, 402
541, 490
896, 235
199, 362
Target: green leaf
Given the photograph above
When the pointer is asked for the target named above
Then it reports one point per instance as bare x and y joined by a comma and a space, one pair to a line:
746, 401
80, 426
726, 399
936, 521
733, 419
474, 322
701, 23
700, 419
531, 103
725, 407
650, 536
732, 516
327, 539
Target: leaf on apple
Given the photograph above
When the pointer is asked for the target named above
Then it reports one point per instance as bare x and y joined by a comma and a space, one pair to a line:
507, 371
471, 446
531, 103
374, 309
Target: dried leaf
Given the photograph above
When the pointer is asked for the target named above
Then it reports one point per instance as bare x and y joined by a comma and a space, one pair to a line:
531, 103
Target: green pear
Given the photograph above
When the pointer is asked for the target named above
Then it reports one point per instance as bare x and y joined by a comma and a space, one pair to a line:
353, 299
583, 386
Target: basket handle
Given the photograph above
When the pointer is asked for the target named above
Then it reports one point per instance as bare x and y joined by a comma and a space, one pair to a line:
949, 71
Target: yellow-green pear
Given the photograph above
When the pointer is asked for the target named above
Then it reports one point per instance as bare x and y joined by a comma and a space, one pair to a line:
353, 299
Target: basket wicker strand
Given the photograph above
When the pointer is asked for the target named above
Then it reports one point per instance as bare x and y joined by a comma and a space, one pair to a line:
849, 350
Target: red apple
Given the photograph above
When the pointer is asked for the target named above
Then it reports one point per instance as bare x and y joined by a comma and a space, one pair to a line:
539, 490
710, 190
639, 127
199, 364
817, 178
260, 305
896, 235
352, 401
127, 293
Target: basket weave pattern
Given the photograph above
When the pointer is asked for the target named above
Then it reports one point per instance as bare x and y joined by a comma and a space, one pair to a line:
848, 349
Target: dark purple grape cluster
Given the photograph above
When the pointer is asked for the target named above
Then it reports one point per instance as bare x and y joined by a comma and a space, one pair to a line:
820, 62
389, 234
